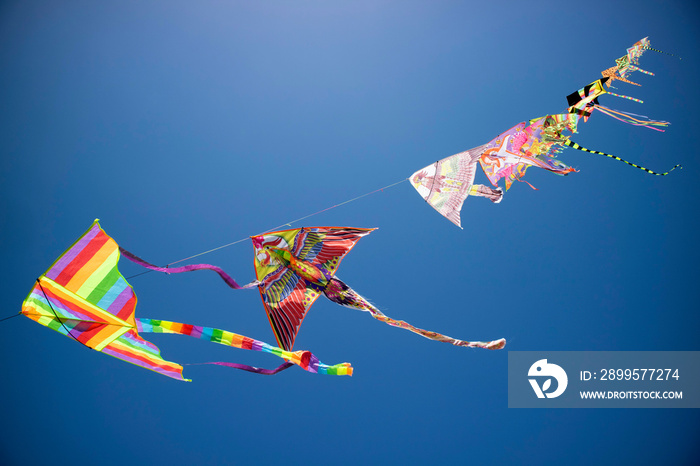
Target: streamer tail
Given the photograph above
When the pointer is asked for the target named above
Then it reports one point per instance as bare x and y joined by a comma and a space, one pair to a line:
581, 148
188, 268
342, 294
304, 359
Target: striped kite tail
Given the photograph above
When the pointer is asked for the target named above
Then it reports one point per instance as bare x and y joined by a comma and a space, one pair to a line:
627, 97
304, 359
661, 51
577, 147
629, 118
636, 68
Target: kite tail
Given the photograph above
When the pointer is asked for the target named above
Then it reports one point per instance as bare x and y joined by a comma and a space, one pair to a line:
635, 68
304, 359
627, 97
577, 147
629, 118
661, 51
188, 268
480, 190
245, 367
342, 294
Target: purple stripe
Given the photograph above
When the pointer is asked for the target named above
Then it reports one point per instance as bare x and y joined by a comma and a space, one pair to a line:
313, 364
121, 300
188, 268
69, 255
257, 345
196, 332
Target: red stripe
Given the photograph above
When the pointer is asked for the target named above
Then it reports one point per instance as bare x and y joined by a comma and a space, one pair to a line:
305, 359
82, 258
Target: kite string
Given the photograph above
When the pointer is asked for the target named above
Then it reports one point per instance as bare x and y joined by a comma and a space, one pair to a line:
48, 301
8, 318
289, 223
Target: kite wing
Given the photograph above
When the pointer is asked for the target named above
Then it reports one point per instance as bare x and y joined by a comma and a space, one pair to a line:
83, 295
288, 293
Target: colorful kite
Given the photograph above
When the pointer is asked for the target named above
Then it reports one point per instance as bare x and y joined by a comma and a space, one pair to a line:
628, 63
527, 144
446, 184
294, 267
84, 296
585, 100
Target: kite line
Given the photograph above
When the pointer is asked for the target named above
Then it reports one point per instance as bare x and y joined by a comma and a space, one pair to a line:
8, 318
246, 238
48, 301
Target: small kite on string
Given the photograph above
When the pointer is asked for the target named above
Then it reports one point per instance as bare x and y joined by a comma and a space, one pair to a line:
447, 183
628, 63
294, 267
84, 296
585, 100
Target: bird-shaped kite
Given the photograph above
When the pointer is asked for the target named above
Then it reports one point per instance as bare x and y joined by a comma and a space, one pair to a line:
294, 267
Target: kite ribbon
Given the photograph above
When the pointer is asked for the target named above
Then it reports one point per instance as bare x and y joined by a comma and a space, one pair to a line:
577, 147
492, 345
188, 268
342, 294
661, 51
304, 359
634, 68
629, 118
626, 97
244, 367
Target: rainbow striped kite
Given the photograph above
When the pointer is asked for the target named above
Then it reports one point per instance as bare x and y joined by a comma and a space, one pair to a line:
84, 296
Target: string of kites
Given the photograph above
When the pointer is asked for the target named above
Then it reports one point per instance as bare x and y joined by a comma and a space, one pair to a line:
84, 296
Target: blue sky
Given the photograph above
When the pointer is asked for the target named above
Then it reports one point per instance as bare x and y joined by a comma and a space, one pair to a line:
184, 126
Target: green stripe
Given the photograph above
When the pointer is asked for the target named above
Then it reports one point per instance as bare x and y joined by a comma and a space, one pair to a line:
104, 286
217, 335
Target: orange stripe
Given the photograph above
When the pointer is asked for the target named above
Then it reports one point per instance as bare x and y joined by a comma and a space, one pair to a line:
176, 327
236, 340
